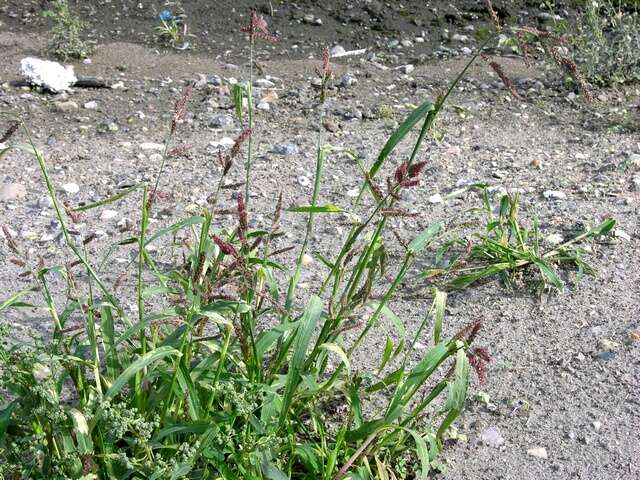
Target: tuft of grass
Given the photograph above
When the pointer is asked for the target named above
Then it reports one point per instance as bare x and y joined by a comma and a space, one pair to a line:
506, 248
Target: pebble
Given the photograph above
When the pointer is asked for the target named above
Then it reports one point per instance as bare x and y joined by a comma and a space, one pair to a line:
554, 195
151, 146
155, 157
224, 143
348, 80
285, 149
337, 51
437, 198
71, 188
263, 106
460, 38
65, 107
492, 437
353, 193
621, 234
306, 259
125, 224
406, 69
597, 425
12, 191
538, 452
607, 345
555, 239
263, 83
406, 43
45, 202
304, 181
92, 105
221, 121
108, 214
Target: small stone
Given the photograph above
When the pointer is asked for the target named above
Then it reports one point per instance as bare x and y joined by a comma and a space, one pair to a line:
125, 224
597, 426
155, 157
621, 234
555, 239
222, 144
538, 452
607, 345
459, 38
263, 83
45, 202
65, 107
437, 198
221, 121
454, 150
330, 125
71, 188
466, 51
263, 106
151, 146
304, 181
92, 105
406, 69
353, 193
348, 80
108, 214
12, 191
285, 149
337, 51
406, 43
306, 259
554, 195
492, 437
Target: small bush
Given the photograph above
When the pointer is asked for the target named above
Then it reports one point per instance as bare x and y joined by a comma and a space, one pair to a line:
66, 42
607, 42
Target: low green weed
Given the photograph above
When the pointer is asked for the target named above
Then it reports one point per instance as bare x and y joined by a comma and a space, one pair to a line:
66, 42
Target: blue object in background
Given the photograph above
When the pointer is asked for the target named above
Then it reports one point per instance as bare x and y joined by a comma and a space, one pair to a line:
166, 16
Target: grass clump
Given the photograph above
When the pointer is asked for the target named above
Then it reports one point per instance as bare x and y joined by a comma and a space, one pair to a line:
230, 373
66, 41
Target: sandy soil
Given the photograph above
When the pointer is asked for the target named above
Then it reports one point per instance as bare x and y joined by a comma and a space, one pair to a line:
565, 369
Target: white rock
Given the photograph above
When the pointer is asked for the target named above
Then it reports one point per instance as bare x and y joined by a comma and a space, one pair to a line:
45, 202
459, 38
555, 239
554, 195
151, 146
437, 198
155, 157
406, 69
597, 425
619, 233
12, 191
338, 51
304, 181
354, 192
538, 452
71, 188
222, 144
492, 437
108, 214
65, 107
50, 75
263, 106
306, 259
92, 105
263, 83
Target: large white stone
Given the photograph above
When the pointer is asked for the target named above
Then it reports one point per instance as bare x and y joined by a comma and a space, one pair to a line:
50, 75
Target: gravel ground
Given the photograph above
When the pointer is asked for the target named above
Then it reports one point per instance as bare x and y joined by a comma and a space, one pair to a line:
561, 398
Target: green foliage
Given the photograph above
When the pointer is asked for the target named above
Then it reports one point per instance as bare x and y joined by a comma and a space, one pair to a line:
607, 42
505, 248
66, 42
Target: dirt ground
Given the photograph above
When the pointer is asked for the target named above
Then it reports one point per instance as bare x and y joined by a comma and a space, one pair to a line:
565, 374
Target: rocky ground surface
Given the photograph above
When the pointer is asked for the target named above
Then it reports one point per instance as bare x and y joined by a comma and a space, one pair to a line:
561, 399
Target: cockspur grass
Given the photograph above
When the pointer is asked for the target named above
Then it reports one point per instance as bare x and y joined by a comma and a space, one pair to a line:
232, 374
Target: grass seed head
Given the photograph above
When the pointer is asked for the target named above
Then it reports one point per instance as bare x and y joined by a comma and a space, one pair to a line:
258, 28
13, 128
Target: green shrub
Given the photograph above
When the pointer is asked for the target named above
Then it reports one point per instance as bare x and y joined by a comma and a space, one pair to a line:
66, 42
607, 42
